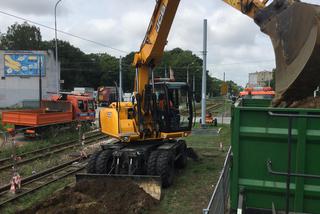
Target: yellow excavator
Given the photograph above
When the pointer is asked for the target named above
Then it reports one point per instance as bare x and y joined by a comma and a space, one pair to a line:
149, 130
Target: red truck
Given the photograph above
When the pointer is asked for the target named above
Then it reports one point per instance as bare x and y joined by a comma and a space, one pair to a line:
106, 95
61, 110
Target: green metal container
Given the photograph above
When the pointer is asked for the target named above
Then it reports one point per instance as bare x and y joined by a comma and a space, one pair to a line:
259, 138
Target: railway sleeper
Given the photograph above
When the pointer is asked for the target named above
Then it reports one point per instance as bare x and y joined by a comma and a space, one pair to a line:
156, 158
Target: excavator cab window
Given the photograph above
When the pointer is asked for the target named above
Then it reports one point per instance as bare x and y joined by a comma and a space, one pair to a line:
174, 106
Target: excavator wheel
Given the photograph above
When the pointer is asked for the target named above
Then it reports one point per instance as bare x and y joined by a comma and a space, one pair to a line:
104, 162
91, 167
165, 167
152, 163
181, 162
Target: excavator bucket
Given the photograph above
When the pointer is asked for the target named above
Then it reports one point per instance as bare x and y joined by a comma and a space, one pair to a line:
150, 184
294, 29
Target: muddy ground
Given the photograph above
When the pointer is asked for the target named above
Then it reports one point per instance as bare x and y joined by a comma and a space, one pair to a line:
310, 102
112, 197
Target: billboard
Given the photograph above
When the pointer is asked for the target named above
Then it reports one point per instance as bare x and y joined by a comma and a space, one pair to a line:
23, 64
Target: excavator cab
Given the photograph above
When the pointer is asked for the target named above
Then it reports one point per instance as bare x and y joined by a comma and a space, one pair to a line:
174, 106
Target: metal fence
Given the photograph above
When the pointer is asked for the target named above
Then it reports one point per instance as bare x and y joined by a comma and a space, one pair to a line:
218, 203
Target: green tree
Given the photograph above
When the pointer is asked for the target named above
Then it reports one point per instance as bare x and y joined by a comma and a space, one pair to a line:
21, 37
102, 69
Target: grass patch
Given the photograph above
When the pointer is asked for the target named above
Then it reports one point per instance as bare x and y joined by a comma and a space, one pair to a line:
39, 144
194, 185
36, 197
3, 128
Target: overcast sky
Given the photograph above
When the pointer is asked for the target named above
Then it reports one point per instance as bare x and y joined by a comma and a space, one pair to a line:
235, 44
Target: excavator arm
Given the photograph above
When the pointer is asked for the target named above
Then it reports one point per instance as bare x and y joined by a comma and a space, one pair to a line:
152, 47
248, 7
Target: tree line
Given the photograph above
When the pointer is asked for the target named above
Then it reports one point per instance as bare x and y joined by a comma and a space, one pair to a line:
102, 69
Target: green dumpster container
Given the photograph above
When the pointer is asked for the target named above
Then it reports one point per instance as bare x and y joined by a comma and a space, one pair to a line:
259, 172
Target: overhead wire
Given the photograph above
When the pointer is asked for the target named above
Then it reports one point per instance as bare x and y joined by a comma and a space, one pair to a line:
123, 51
64, 32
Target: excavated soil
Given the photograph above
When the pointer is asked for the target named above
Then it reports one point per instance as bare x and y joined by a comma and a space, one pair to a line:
310, 102
112, 197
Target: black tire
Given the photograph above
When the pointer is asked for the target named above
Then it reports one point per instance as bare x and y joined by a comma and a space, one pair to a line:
91, 167
152, 163
181, 162
165, 168
104, 162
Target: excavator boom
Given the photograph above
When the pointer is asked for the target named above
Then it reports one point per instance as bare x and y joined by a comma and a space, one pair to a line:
152, 47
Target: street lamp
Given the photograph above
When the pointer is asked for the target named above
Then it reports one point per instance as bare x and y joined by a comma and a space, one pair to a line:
56, 43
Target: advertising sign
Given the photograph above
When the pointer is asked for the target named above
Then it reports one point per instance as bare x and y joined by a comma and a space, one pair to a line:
23, 64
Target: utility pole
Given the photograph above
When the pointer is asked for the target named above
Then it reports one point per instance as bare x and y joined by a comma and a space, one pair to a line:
204, 75
165, 71
56, 43
194, 84
224, 104
120, 78
188, 74
40, 80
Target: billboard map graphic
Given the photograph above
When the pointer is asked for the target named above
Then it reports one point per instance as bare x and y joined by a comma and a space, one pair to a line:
23, 64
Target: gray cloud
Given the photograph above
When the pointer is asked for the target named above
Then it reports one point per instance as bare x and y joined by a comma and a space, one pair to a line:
234, 41
31, 7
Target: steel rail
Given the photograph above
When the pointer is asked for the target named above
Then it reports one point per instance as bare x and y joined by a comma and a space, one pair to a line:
49, 153
42, 175
75, 141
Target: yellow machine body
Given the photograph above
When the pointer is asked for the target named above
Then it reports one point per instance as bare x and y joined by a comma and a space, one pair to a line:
124, 126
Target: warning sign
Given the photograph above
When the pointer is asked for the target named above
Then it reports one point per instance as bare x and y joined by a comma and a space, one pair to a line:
224, 89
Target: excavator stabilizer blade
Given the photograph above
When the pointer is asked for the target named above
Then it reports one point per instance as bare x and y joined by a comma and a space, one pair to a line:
294, 29
150, 184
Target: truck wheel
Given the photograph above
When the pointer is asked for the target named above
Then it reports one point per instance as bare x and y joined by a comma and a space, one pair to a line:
152, 163
91, 167
165, 168
104, 162
181, 162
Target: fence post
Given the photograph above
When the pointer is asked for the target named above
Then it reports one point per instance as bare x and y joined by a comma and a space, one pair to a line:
223, 196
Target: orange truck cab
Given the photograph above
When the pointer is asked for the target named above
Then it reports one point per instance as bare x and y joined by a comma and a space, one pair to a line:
83, 106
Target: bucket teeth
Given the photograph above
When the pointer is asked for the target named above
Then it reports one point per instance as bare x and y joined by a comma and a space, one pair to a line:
294, 29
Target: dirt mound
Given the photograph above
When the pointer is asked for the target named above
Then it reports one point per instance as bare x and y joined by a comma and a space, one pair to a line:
112, 197
310, 102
